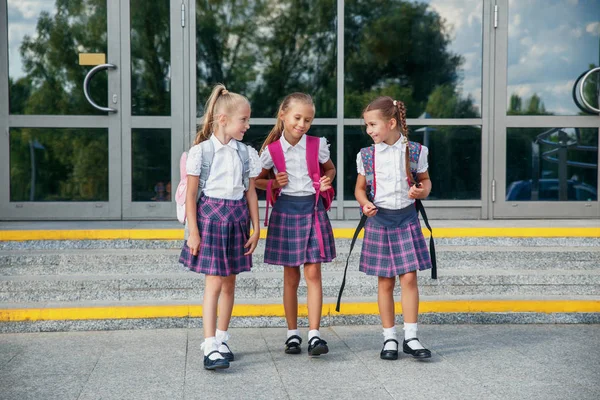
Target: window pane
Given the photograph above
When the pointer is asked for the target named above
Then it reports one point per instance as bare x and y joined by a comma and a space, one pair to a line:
257, 135
151, 164
550, 43
44, 40
454, 159
58, 164
425, 53
267, 50
552, 164
150, 58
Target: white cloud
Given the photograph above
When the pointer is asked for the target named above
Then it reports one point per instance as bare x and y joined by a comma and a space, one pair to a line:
593, 28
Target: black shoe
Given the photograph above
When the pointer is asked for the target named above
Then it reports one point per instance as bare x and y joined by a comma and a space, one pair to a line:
389, 354
228, 355
420, 353
317, 346
293, 347
219, 363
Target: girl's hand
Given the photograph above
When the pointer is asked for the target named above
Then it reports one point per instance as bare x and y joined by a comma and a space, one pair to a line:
251, 243
325, 183
369, 209
416, 192
281, 179
193, 243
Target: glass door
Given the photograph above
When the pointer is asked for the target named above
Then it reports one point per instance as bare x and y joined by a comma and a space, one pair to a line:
87, 110
59, 148
546, 109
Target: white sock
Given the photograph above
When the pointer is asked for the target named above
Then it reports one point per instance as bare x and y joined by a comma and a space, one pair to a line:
312, 333
292, 332
209, 345
390, 333
410, 332
222, 336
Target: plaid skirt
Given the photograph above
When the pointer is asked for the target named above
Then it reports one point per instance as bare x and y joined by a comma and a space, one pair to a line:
292, 238
394, 244
224, 227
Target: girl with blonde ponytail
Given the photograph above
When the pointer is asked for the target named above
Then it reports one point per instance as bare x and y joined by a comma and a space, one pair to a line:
299, 229
219, 209
393, 244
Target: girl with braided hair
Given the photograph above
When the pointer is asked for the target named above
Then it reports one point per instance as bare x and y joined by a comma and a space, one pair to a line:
390, 178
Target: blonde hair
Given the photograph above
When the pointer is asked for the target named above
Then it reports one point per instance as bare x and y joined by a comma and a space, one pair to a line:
393, 109
277, 130
221, 101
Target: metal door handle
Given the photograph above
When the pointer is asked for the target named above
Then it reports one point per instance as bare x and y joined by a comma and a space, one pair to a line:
579, 83
86, 83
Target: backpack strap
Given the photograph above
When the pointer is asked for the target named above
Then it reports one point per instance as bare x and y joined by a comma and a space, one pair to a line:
276, 153
242, 151
367, 155
208, 153
314, 171
414, 152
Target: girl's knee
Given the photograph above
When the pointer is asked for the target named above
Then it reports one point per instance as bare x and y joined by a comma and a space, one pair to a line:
312, 273
228, 285
291, 277
386, 284
409, 280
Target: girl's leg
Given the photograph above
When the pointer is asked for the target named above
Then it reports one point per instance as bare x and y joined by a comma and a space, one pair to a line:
291, 281
385, 301
212, 289
312, 274
410, 297
226, 301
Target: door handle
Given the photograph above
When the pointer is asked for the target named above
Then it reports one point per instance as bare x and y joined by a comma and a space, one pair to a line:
86, 84
578, 89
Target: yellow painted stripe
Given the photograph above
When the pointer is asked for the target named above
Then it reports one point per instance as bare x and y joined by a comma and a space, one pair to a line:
340, 233
276, 310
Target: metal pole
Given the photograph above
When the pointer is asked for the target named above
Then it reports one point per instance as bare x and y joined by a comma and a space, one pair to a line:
32, 157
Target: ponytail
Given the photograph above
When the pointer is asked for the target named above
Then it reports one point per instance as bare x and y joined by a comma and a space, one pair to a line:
220, 101
277, 130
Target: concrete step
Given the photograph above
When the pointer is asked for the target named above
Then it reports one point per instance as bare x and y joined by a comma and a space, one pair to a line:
189, 286
164, 261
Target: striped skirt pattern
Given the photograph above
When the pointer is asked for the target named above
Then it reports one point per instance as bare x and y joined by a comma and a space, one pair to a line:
224, 227
292, 237
394, 244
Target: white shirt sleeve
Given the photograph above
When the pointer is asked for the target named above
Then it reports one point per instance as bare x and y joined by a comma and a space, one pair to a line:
324, 154
255, 164
194, 161
359, 165
265, 159
423, 165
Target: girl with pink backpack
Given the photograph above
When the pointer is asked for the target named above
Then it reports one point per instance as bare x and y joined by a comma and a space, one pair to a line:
220, 202
299, 229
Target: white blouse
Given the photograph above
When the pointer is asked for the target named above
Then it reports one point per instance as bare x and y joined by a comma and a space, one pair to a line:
225, 178
390, 174
299, 182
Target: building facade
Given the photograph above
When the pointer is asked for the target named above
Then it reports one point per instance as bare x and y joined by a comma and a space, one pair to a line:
99, 98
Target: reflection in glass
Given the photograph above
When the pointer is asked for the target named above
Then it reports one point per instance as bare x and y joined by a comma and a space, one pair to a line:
257, 135
150, 58
44, 41
151, 165
454, 159
549, 45
266, 50
58, 164
552, 164
425, 53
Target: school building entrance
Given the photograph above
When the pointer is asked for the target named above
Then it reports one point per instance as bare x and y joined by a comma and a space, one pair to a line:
98, 98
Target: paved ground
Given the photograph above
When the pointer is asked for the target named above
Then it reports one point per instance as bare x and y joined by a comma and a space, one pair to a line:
469, 362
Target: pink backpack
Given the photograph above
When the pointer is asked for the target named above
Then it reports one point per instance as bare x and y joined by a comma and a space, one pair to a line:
181, 189
315, 170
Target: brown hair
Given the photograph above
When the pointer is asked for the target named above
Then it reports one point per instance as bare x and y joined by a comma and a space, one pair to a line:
277, 130
393, 109
221, 101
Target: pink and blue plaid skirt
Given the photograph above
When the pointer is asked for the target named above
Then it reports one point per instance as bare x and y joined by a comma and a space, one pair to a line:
224, 227
394, 244
292, 238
